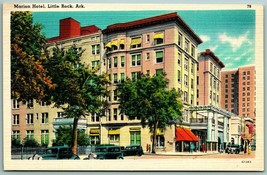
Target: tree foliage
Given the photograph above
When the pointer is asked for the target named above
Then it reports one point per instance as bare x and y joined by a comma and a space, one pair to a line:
29, 79
151, 100
64, 137
30, 142
78, 89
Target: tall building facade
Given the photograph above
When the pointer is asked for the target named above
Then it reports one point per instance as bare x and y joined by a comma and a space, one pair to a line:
239, 97
150, 46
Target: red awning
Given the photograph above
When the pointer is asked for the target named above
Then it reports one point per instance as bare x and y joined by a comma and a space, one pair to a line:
184, 134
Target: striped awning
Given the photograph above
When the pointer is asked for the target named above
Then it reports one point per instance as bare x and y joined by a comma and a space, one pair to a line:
185, 134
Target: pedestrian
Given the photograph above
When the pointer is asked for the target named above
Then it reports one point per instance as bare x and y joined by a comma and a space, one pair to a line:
203, 148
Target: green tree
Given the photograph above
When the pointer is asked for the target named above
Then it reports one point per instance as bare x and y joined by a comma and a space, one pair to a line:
63, 137
78, 89
29, 79
30, 142
151, 100
15, 142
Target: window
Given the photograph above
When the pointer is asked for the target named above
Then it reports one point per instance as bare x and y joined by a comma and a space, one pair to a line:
147, 38
197, 80
159, 56
179, 58
136, 60
185, 96
122, 77
192, 68
214, 97
193, 50
136, 42
218, 86
210, 81
115, 78
16, 135
192, 99
147, 72
114, 138
44, 137
158, 38
115, 115
95, 49
192, 83
185, 115
115, 62
211, 67
115, 95
109, 63
30, 103
160, 140
135, 138
179, 75
109, 115
159, 71
136, 75
45, 118
15, 104
29, 119
95, 64
248, 77
217, 98
122, 44
180, 39
185, 80
214, 84
44, 103
94, 118
186, 45
147, 55
211, 95
94, 140
60, 115
122, 61
15, 119
30, 134
186, 63
114, 45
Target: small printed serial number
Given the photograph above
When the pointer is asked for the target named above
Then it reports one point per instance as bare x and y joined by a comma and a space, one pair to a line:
245, 161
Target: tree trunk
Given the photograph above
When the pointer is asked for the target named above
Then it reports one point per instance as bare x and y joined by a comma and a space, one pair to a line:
154, 138
74, 135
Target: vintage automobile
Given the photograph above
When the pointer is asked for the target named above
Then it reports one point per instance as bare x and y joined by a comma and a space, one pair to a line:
233, 148
133, 150
56, 153
106, 152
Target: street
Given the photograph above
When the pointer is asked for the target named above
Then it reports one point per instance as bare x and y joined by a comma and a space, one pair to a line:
193, 155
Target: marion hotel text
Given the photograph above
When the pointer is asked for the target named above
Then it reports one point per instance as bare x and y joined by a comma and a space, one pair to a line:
43, 6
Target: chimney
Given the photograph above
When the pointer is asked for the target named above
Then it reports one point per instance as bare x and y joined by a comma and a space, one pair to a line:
69, 28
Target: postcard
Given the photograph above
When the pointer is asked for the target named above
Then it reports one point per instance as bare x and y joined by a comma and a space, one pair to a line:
133, 87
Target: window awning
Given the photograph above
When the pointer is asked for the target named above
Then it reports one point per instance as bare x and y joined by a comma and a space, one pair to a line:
135, 129
108, 45
114, 43
122, 41
159, 132
185, 134
136, 41
158, 36
114, 132
94, 132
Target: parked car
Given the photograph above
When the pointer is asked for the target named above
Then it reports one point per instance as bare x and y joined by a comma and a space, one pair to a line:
233, 148
253, 147
55, 153
107, 152
133, 150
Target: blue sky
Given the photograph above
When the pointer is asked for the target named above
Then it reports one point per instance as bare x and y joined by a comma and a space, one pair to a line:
230, 34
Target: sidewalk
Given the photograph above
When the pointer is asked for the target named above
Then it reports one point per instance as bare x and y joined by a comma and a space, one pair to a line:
184, 153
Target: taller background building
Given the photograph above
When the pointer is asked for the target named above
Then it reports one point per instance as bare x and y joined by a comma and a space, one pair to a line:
239, 97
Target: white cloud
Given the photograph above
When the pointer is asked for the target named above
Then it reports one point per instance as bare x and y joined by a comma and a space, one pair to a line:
227, 65
227, 58
249, 59
213, 48
204, 38
237, 58
235, 42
